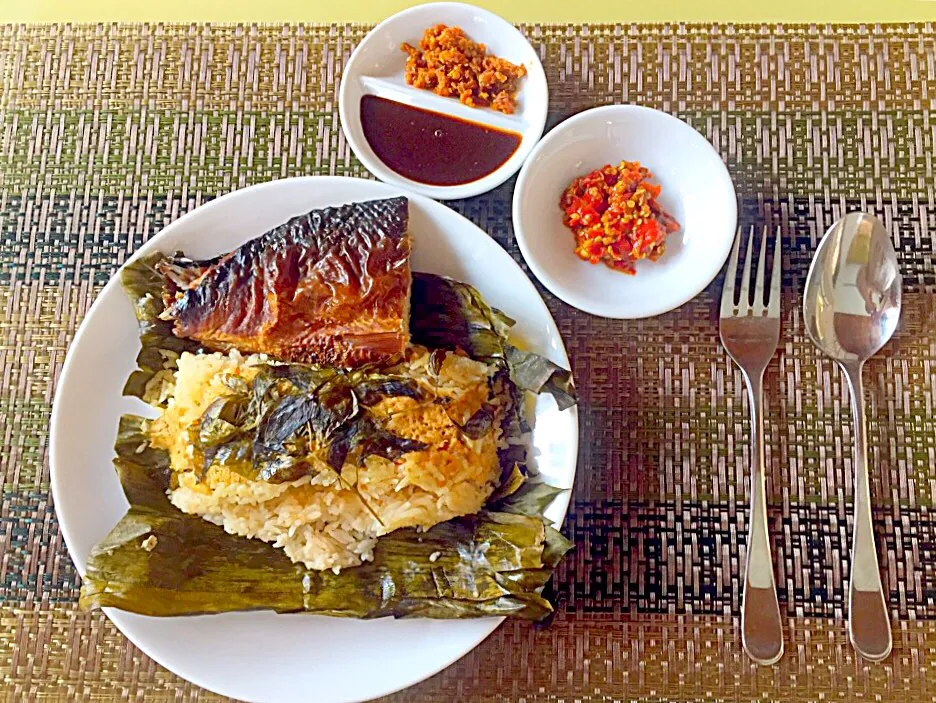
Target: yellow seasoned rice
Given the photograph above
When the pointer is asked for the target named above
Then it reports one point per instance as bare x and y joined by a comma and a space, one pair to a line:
322, 521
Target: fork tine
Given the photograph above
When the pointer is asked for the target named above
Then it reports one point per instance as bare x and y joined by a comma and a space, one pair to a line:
728, 296
744, 304
759, 279
773, 302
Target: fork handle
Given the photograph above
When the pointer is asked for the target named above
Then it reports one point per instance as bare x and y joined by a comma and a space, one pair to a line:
868, 620
761, 628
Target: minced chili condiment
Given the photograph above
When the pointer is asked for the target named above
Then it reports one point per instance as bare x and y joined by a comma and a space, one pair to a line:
448, 63
615, 217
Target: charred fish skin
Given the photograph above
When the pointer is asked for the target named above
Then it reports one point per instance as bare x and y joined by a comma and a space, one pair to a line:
329, 287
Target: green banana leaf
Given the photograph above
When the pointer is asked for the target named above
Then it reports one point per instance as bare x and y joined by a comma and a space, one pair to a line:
159, 561
159, 346
449, 314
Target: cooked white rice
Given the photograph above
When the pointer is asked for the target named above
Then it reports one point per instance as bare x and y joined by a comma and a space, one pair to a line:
322, 521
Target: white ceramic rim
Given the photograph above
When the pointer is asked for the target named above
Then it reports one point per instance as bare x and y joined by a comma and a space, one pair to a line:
530, 136
120, 618
555, 135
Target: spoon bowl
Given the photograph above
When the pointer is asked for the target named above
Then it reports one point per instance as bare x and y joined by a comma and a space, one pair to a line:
851, 307
852, 300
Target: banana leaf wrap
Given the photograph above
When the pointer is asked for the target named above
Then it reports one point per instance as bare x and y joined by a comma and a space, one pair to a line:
160, 561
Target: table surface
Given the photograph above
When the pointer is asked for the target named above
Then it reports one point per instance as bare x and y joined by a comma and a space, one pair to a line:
108, 133
562, 11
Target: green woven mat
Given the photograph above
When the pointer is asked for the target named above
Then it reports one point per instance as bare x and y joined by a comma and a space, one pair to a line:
108, 133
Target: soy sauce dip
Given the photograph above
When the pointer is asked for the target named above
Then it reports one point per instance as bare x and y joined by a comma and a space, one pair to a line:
432, 148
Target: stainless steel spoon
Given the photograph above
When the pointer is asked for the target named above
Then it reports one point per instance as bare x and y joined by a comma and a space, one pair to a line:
851, 309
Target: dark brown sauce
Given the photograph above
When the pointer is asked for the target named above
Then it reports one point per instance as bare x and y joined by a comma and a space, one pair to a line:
432, 148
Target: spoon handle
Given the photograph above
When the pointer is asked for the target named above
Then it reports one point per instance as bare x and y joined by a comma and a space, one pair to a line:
761, 627
868, 619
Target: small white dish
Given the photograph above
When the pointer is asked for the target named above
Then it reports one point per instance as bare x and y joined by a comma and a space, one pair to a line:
377, 66
263, 657
697, 191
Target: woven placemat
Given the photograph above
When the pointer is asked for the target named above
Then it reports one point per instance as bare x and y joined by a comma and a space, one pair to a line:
108, 133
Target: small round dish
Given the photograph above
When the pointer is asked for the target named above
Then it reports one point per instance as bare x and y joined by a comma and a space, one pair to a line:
377, 65
697, 191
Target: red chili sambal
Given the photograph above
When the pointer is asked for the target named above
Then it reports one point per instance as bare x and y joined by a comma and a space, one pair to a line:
615, 217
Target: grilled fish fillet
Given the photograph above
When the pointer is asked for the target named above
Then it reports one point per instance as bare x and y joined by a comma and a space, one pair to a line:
330, 287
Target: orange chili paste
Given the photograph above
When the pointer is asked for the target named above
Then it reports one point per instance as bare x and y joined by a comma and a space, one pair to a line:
615, 217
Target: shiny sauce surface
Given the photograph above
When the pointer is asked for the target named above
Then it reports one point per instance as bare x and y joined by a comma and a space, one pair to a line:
432, 148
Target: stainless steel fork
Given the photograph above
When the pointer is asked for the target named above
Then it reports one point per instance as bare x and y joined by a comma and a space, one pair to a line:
750, 333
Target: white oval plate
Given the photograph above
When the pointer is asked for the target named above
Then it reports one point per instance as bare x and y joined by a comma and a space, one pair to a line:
377, 68
697, 191
262, 656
